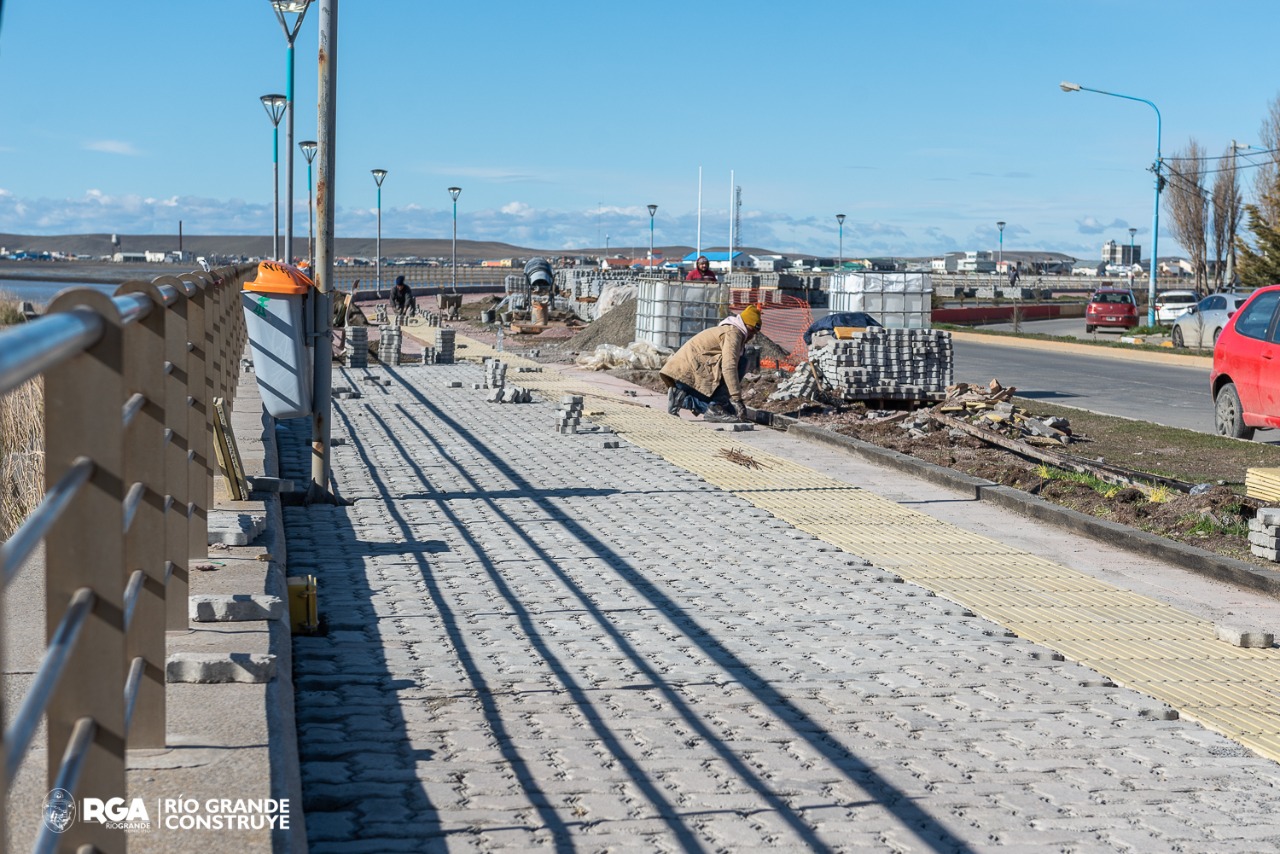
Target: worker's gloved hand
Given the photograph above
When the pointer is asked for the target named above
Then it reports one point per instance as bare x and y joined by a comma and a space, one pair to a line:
740, 410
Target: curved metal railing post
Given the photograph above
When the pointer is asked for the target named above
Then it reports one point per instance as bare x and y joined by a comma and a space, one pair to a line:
84, 401
145, 544
200, 423
177, 467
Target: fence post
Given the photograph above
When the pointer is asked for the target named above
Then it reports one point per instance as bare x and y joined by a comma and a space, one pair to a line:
199, 425
145, 547
85, 548
177, 467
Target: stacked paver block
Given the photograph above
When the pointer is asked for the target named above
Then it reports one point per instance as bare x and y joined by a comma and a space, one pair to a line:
444, 345
389, 341
801, 383
495, 373
569, 416
510, 394
887, 364
358, 342
1264, 533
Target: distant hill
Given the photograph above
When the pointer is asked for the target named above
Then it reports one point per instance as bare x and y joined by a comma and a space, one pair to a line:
96, 245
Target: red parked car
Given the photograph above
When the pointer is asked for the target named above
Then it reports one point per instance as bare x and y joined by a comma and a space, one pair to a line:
1246, 368
1111, 307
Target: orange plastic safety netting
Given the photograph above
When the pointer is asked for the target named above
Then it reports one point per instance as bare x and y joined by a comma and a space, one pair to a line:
784, 320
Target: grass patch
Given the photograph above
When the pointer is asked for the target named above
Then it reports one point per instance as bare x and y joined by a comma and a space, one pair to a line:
1169, 451
21, 454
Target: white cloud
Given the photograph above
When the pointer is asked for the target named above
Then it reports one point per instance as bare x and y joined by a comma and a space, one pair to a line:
112, 146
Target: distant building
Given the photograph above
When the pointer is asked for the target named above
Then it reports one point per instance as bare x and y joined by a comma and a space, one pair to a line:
948, 263
131, 258
1121, 254
976, 262
1093, 269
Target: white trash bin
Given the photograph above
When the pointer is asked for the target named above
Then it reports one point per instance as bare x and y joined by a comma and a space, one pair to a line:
274, 314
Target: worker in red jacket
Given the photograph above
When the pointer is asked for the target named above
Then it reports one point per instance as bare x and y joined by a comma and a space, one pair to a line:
701, 271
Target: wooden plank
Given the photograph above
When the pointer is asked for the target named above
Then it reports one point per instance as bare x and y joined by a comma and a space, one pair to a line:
227, 453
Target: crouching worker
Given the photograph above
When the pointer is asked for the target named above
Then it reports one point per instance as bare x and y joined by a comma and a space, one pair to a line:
704, 375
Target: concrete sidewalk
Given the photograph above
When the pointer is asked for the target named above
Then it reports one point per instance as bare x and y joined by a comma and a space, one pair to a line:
538, 639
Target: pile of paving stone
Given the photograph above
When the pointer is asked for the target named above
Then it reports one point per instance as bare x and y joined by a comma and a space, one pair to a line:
358, 346
389, 340
875, 364
1264, 534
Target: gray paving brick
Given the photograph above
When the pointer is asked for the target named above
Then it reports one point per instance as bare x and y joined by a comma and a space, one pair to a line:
513, 651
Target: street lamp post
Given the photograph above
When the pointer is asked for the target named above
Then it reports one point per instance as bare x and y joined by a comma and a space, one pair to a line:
1000, 252
309, 147
840, 261
378, 175
653, 209
274, 105
1155, 216
1132, 259
297, 8
453, 264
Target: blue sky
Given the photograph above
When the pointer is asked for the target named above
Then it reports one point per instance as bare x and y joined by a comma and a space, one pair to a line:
923, 122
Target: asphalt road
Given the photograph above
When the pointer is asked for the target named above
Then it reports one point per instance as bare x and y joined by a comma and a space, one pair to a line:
1173, 395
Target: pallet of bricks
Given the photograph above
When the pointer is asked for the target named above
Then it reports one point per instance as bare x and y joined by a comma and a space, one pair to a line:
886, 364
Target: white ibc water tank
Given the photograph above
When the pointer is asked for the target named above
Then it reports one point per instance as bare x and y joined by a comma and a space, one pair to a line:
670, 313
897, 300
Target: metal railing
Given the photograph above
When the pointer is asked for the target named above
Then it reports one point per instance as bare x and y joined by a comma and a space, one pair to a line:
129, 385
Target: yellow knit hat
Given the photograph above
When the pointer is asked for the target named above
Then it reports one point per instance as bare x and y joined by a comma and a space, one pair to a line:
751, 317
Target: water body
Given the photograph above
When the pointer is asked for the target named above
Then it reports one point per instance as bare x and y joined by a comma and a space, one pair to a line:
44, 290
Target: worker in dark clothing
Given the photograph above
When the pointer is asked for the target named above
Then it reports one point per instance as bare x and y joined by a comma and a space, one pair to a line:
402, 301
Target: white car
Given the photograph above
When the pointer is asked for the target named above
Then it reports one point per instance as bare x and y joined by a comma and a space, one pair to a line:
1199, 325
1170, 304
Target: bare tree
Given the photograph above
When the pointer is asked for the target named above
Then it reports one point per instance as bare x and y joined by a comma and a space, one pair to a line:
1187, 203
1226, 220
1268, 175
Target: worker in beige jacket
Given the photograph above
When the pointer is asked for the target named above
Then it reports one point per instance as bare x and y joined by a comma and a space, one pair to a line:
704, 374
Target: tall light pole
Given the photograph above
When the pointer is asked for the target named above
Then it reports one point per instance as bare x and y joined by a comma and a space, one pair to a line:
453, 264
653, 209
1155, 216
840, 261
309, 147
1000, 253
274, 105
298, 9
1132, 260
378, 175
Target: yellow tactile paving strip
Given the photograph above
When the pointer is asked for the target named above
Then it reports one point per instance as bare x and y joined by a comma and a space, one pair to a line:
1136, 641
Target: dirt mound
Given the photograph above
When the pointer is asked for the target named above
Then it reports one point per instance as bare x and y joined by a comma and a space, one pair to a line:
616, 326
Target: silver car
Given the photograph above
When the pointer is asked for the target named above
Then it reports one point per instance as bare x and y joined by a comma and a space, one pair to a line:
1199, 325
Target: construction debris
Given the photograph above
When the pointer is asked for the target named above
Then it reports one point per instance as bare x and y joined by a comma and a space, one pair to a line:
989, 407
1262, 483
739, 458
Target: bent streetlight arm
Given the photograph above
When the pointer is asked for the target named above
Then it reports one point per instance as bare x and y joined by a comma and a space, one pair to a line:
1155, 216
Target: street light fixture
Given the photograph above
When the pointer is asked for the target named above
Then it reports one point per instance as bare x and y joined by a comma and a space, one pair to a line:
274, 105
1155, 216
453, 265
298, 9
309, 147
653, 209
840, 262
1000, 254
378, 175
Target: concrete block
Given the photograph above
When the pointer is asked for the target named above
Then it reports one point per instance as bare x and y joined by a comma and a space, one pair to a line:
1265, 553
270, 484
1269, 515
456, 384
1245, 637
211, 668
613, 444
239, 607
